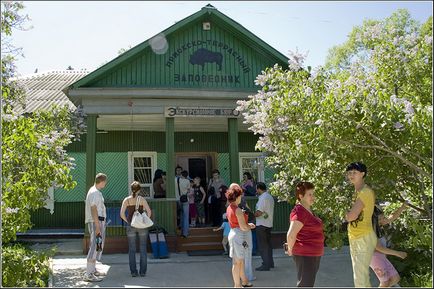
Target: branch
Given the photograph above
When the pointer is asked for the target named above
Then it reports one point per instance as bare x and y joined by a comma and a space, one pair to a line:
424, 160
400, 198
407, 162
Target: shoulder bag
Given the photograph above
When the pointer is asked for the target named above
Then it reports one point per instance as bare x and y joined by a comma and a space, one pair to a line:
140, 221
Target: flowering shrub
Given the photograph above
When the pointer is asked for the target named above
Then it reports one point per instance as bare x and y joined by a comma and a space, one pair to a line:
371, 102
33, 160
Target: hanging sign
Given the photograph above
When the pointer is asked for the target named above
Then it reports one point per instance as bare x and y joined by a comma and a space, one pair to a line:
179, 111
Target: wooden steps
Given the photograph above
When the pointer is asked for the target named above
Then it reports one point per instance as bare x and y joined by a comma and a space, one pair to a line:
200, 239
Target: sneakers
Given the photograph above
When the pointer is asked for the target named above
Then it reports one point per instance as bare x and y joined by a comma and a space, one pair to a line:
99, 273
91, 278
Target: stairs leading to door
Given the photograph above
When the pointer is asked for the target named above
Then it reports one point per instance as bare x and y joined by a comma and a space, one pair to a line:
200, 239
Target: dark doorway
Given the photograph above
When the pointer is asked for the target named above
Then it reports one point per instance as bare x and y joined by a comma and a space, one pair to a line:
197, 168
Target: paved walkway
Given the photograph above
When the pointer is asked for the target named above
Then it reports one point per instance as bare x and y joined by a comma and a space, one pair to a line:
181, 270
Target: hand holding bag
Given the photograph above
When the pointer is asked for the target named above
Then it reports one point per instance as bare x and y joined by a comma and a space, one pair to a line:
140, 221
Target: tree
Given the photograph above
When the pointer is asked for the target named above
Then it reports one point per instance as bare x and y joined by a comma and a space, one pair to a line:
33, 155
371, 102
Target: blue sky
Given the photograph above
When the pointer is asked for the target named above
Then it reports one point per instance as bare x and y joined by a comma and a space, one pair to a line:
85, 34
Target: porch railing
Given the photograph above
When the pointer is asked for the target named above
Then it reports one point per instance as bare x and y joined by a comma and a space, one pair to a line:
70, 215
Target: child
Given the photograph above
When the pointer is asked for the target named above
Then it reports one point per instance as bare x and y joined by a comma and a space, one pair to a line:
226, 229
192, 205
199, 199
386, 273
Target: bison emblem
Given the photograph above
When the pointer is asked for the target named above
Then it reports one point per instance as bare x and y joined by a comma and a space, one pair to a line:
202, 56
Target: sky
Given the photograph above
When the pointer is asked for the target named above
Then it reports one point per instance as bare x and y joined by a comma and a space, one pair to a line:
86, 34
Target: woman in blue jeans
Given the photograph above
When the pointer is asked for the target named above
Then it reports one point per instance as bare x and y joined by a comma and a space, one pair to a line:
129, 205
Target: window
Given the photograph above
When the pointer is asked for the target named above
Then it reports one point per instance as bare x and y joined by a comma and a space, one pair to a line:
141, 167
254, 164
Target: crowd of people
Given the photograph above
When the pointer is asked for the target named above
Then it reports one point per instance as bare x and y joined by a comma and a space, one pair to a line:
225, 208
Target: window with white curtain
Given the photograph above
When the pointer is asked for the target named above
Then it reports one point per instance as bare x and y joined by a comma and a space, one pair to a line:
141, 168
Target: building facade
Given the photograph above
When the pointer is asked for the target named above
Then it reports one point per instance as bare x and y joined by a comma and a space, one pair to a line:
168, 101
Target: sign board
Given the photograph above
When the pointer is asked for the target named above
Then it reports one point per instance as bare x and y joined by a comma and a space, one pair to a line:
179, 111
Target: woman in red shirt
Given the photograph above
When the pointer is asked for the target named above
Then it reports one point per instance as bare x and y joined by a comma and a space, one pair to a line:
238, 244
305, 237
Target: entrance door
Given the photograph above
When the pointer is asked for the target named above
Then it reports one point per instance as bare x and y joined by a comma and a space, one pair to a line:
197, 168
197, 165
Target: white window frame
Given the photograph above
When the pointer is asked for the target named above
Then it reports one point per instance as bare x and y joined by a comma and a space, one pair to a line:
153, 156
261, 167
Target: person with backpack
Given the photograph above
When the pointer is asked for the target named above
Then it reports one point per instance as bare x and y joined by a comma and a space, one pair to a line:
386, 273
361, 235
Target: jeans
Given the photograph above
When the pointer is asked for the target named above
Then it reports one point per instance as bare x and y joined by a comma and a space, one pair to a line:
264, 246
248, 257
143, 239
185, 218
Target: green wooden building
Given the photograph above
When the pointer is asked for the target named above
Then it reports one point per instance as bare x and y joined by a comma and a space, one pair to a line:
168, 101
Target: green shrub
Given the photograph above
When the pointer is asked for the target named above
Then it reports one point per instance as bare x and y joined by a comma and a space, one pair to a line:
22, 267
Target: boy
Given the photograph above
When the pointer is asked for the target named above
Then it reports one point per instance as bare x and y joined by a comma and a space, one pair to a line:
226, 229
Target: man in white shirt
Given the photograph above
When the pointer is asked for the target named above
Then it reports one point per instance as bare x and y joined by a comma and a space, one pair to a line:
264, 224
182, 185
95, 217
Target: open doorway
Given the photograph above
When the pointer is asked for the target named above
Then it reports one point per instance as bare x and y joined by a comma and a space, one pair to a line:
197, 165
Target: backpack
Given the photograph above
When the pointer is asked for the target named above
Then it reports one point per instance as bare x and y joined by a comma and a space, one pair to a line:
375, 223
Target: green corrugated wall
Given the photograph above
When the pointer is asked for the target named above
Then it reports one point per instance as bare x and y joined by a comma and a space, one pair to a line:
223, 167
115, 166
78, 193
281, 213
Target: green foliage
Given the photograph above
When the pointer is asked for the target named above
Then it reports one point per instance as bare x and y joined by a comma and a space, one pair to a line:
33, 155
23, 267
372, 102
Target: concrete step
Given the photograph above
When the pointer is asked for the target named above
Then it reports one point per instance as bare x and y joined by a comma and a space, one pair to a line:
200, 238
203, 231
200, 246
63, 246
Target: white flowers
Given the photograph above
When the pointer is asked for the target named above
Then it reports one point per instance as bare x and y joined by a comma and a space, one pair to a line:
296, 60
297, 143
11, 210
319, 122
261, 79
428, 39
399, 126
308, 91
373, 32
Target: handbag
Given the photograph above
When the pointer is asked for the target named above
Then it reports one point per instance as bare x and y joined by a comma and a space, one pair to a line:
140, 221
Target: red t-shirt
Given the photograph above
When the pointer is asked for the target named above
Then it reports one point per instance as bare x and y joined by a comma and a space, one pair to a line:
232, 216
310, 239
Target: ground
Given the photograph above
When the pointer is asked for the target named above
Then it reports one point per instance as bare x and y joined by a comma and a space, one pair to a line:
181, 270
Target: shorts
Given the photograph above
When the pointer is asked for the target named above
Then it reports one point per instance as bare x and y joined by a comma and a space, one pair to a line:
200, 210
192, 211
382, 267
